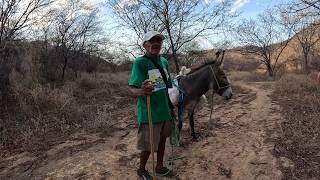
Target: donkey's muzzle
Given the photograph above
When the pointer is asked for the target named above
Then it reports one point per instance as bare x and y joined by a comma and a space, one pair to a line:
228, 97
227, 94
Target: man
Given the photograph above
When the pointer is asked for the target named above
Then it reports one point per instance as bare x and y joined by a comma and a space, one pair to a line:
146, 80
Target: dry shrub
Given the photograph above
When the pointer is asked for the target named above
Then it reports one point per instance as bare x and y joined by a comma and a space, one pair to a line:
38, 109
104, 96
241, 65
34, 115
248, 76
299, 97
100, 87
99, 119
103, 80
298, 85
87, 83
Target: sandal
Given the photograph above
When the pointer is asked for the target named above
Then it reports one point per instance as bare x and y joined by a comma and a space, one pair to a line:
165, 172
144, 175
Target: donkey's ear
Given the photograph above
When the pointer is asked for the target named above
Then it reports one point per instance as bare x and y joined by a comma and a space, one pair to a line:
220, 63
217, 54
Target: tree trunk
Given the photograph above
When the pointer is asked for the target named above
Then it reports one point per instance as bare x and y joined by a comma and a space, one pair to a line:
173, 49
175, 58
64, 67
270, 71
306, 68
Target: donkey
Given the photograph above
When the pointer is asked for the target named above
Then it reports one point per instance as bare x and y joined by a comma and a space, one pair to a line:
198, 82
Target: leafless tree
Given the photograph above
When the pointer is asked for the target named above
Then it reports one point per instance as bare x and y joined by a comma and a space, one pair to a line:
312, 3
181, 21
304, 15
73, 31
16, 15
307, 34
266, 38
310, 7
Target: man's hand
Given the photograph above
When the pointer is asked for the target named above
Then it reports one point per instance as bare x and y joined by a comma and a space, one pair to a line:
147, 88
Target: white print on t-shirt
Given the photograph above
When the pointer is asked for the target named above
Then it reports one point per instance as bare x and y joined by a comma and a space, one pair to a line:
156, 79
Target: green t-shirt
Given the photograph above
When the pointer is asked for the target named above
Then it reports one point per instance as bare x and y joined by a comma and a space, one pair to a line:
142, 69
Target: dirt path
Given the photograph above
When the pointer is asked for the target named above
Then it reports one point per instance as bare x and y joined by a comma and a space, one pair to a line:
239, 148
237, 145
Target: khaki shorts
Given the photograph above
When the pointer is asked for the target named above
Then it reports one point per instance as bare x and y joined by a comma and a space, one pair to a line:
159, 130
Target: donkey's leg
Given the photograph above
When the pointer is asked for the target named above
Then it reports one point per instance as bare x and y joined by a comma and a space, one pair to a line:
191, 122
191, 112
179, 119
180, 125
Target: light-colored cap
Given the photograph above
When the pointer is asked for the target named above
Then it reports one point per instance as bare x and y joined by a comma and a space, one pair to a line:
150, 34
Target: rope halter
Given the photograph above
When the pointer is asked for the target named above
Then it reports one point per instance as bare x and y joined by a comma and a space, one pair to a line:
216, 80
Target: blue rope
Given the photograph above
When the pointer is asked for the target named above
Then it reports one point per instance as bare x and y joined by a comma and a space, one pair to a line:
181, 104
182, 95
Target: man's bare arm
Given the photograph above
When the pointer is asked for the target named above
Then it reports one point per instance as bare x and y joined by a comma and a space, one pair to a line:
136, 92
146, 89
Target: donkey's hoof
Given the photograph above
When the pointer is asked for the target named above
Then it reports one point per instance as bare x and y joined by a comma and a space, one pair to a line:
194, 137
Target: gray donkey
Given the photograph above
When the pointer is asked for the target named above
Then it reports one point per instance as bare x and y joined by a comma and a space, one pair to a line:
198, 82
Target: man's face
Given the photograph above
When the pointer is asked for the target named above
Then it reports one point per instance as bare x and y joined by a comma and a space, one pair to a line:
153, 46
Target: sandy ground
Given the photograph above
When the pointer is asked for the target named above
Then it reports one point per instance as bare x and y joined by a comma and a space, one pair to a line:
235, 144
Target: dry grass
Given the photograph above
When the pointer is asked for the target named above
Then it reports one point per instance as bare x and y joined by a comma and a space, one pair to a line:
36, 116
103, 80
248, 76
32, 116
302, 86
299, 97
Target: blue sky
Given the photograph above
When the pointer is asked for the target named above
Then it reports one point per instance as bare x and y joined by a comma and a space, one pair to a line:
251, 8
246, 8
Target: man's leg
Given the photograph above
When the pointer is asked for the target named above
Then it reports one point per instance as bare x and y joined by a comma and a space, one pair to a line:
144, 156
143, 144
160, 153
165, 133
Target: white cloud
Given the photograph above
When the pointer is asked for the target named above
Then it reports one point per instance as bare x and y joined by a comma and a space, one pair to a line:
86, 3
128, 3
238, 4
210, 1
44, 17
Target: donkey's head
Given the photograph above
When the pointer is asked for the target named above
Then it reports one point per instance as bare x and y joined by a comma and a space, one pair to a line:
219, 81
